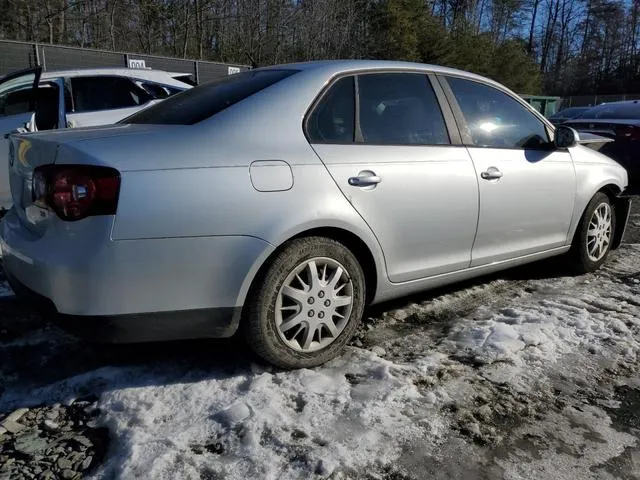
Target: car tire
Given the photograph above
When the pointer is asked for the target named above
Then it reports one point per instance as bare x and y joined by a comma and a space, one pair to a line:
278, 326
598, 224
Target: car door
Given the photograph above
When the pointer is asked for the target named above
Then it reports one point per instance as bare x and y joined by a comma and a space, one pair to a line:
397, 157
527, 187
17, 108
104, 100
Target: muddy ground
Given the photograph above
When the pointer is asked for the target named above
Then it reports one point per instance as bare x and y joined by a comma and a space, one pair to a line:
502, 411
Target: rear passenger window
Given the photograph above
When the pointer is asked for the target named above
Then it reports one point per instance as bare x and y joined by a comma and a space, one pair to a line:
333, 120
106, 93
400, 109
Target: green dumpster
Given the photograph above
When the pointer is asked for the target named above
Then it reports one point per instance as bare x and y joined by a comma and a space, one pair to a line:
545, 105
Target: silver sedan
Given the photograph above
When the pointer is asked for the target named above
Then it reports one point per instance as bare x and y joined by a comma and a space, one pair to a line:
283, 200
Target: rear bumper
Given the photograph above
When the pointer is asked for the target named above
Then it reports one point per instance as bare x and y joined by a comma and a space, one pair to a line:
148, 327
154, 327
149, 289
24, 293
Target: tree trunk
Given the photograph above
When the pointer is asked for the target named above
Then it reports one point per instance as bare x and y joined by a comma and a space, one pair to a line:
112, 21
185, 43
533, 26
586, 28
552, 17
61, 22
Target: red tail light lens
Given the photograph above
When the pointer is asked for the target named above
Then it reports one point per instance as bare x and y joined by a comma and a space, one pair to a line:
628, 132
76, 192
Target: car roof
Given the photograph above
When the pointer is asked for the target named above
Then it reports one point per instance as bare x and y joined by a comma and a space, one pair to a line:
619, 102
334, 67
570, 108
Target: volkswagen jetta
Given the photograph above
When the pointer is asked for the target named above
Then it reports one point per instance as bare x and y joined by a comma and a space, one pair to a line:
283, 200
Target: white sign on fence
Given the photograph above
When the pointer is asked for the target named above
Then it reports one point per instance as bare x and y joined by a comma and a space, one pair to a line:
233, 70
133, 63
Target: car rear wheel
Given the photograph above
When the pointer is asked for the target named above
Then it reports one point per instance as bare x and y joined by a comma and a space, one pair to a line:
594, 236
307, 304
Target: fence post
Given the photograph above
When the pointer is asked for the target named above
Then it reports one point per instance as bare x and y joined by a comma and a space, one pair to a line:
126, 60
197, 69
44, 60
35, 48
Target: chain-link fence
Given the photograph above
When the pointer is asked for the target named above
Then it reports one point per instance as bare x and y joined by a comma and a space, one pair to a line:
592, 100
19, 55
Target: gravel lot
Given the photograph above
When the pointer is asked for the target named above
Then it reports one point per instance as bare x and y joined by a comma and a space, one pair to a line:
524, 374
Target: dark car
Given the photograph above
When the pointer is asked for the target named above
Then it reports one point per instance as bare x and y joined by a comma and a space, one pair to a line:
567, 114
621, 122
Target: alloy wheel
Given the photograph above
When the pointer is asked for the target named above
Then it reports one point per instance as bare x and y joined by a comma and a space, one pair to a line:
599, 232
314, 304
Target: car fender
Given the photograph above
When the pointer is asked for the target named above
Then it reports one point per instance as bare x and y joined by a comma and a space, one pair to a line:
594, 172
354, 227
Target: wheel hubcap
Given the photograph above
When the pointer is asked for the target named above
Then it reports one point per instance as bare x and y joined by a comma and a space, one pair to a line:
599, 233
314, 304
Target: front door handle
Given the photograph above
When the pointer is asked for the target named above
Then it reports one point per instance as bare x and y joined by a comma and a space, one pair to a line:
492, 173
365, 179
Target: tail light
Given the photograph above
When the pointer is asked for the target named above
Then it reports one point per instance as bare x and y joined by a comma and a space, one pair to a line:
628, 132
75, 192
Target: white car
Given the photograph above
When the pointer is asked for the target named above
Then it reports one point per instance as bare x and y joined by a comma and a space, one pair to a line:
33, 100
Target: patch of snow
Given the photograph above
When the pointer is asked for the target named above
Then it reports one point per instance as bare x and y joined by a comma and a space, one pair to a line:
269, 425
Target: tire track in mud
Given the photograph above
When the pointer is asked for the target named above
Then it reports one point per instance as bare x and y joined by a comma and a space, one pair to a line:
522, 413
434, 317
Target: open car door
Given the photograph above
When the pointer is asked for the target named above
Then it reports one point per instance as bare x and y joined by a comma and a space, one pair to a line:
18, 92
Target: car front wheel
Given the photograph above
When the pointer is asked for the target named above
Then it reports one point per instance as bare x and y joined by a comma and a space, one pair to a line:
594, 236
307, 304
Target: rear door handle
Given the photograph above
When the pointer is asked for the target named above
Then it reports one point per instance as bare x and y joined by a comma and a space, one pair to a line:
492, 173
365, 179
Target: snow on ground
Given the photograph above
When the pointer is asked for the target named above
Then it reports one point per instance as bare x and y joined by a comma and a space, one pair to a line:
362, 409
527, 374
260, 424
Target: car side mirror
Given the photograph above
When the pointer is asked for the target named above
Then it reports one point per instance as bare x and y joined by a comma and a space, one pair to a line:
565, 137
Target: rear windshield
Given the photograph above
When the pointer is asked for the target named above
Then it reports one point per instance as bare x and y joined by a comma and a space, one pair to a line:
199, 103
613, 112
